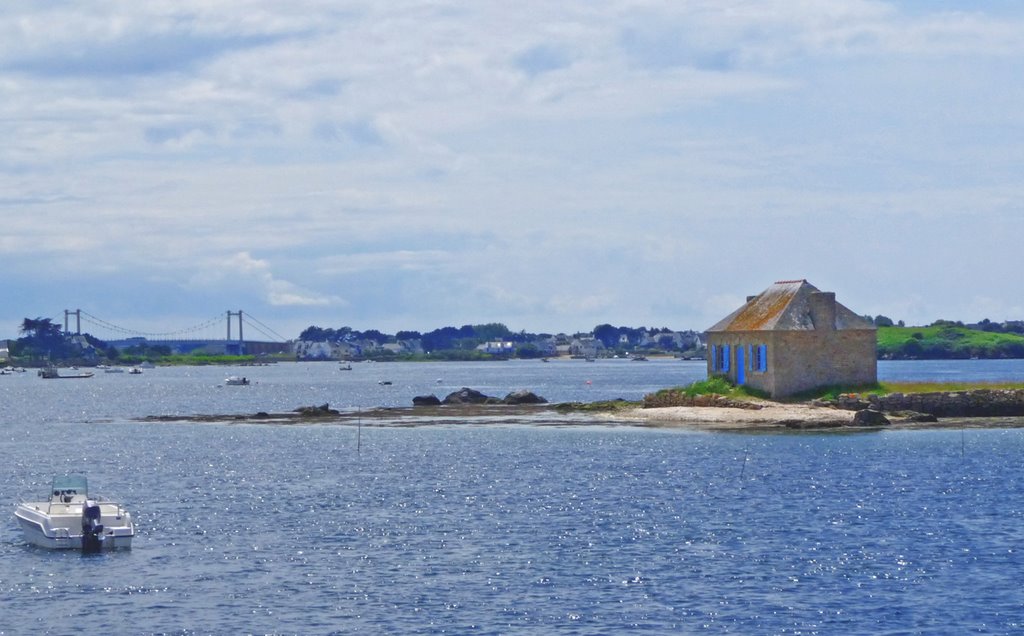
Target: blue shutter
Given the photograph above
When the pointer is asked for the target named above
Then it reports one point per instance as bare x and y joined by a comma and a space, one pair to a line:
725, 358
714, 358
762, 358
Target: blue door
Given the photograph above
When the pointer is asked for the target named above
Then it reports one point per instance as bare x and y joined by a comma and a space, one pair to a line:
741, 369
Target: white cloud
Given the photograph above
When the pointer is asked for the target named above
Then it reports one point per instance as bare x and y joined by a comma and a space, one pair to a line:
562, 164
242, 271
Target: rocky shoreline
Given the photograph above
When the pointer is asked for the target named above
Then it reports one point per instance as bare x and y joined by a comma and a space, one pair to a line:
964, 409
973, 403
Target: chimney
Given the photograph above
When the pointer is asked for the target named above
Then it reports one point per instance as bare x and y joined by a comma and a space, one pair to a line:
750, 298
823, 310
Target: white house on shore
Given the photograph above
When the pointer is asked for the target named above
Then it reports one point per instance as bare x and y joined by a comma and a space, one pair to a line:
497, 347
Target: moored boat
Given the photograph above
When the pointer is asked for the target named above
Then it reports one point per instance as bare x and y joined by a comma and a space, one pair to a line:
235, 380
72, 519
51, 373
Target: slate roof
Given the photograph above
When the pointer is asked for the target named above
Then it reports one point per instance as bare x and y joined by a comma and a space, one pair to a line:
785, 306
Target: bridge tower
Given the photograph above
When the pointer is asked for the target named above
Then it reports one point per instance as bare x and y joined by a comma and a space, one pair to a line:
239, 347
78, 320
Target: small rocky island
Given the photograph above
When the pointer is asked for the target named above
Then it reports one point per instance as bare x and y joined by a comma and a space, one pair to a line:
974, 408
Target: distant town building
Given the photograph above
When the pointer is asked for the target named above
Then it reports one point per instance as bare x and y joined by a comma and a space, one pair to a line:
310, 350
407, 346
497, 347
586, 348
790, 338
548, 346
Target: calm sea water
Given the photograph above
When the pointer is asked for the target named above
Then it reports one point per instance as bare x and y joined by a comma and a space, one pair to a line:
491, 529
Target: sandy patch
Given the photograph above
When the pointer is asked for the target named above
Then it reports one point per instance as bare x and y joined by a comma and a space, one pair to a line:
770, 415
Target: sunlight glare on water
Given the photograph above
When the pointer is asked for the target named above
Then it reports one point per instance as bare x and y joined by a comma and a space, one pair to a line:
496, 529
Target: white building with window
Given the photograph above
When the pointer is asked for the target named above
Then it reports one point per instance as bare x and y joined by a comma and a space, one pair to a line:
498, 347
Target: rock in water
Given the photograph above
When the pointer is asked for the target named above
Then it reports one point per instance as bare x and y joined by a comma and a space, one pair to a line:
316, 411
426, 400
870, 417
524, 397
466, 396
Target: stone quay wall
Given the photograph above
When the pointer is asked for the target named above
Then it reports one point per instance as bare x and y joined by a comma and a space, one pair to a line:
975, 403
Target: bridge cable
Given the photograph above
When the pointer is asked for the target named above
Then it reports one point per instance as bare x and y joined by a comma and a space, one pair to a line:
279, 336
134, 332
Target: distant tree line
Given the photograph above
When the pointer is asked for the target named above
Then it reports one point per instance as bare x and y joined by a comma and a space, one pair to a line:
445, 338
1007, 326
882, 321
464, 343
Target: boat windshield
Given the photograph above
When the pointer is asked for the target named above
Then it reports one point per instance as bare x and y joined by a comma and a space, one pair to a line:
78, 484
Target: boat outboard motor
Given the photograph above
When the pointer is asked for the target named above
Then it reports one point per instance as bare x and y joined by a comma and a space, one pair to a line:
92, 529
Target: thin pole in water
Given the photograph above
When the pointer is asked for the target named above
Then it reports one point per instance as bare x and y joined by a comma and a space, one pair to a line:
743, 467
359, 430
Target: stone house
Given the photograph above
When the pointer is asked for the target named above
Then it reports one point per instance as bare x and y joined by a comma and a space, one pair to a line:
790, 338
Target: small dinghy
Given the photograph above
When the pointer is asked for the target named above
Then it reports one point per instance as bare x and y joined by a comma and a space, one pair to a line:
72, 519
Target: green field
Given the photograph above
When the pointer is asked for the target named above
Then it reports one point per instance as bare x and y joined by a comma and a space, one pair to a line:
946, 342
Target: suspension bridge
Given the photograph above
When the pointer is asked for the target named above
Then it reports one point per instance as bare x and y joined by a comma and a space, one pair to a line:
214, 335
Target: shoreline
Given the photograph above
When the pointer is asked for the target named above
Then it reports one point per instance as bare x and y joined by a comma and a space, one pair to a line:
769, 417
793, 417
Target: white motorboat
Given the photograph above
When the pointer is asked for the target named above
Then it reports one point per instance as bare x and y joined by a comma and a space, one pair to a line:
235, 380
72, 519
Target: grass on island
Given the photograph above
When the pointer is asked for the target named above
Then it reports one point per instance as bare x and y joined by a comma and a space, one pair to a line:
681, 396
601, 406
886, 388
932, 387
720, 386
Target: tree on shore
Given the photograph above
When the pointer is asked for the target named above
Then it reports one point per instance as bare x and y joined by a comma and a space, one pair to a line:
39, 328
41, 338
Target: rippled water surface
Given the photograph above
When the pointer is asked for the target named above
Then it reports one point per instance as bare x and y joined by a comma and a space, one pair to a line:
501, 529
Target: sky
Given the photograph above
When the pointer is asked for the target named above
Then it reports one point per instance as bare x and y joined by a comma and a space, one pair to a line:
412, 165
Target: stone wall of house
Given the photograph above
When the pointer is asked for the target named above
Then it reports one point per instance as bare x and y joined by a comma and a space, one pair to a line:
806, 360
977, 403
803, 360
